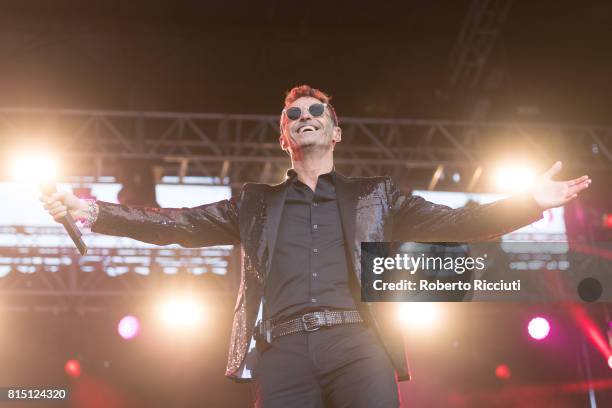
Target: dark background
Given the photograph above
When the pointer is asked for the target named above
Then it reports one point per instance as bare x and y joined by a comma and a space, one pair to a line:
551, 60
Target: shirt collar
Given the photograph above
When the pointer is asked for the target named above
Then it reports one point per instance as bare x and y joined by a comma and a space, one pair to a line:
292, 174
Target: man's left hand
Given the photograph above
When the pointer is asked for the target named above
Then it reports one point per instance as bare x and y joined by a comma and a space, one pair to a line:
548, 193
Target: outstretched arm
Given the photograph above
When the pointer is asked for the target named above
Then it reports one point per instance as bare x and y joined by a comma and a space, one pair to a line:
415, 219
549, 193
206, 225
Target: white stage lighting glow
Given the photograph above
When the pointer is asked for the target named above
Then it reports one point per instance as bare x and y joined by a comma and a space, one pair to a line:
128, 327
538, 328
33, 168
182, 312
419, 314
513, 178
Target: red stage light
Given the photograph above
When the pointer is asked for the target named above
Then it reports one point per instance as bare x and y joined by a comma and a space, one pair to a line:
73, 368
607, 220
502, 371
591, 331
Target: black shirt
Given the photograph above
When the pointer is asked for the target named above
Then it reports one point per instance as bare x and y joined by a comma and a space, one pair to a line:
309, 266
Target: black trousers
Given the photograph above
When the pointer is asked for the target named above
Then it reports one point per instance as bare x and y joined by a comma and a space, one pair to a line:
340, 366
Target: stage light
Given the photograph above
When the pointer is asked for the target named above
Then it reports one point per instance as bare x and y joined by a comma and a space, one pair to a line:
538, 328
181, 312
502, 371
512, 178
73, 368
419, 314
128, 327
607, 220
33, 168
610, 361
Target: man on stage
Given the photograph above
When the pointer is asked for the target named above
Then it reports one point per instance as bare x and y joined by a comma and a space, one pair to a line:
317, 344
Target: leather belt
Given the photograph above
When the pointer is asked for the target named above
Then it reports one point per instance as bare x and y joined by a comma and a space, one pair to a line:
308, 322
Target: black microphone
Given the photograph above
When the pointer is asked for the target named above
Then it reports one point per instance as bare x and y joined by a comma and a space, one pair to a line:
67, 221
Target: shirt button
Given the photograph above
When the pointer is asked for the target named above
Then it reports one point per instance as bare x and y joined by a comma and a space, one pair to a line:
313, 300
315, 226
314, 275
315, 250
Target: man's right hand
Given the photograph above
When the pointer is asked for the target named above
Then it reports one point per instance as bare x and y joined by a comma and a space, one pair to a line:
59, 203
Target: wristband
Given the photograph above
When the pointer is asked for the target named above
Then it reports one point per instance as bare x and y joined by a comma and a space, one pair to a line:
91, 213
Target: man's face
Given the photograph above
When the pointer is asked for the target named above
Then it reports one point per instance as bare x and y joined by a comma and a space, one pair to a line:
307, 131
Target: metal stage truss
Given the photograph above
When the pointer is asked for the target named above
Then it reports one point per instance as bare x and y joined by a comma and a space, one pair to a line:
41, 270
240, 148
481, 29
57, 279
243, 147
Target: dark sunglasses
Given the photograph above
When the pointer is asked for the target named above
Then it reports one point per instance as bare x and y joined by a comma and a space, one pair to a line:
295, 112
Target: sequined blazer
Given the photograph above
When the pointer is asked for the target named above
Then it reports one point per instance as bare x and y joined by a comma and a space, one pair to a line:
371, 209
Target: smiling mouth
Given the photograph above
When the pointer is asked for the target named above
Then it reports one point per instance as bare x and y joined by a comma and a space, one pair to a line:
306, 128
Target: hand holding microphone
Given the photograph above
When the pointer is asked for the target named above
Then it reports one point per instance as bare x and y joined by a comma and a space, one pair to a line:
63, 206
38, 168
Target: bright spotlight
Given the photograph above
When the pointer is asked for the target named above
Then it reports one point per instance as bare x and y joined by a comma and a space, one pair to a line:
538, 328
33, 168
419, 314
610, 361
128, 327
514, 178
185, 312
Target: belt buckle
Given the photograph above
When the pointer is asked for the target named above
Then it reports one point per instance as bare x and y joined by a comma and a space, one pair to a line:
265, 331
305, 322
